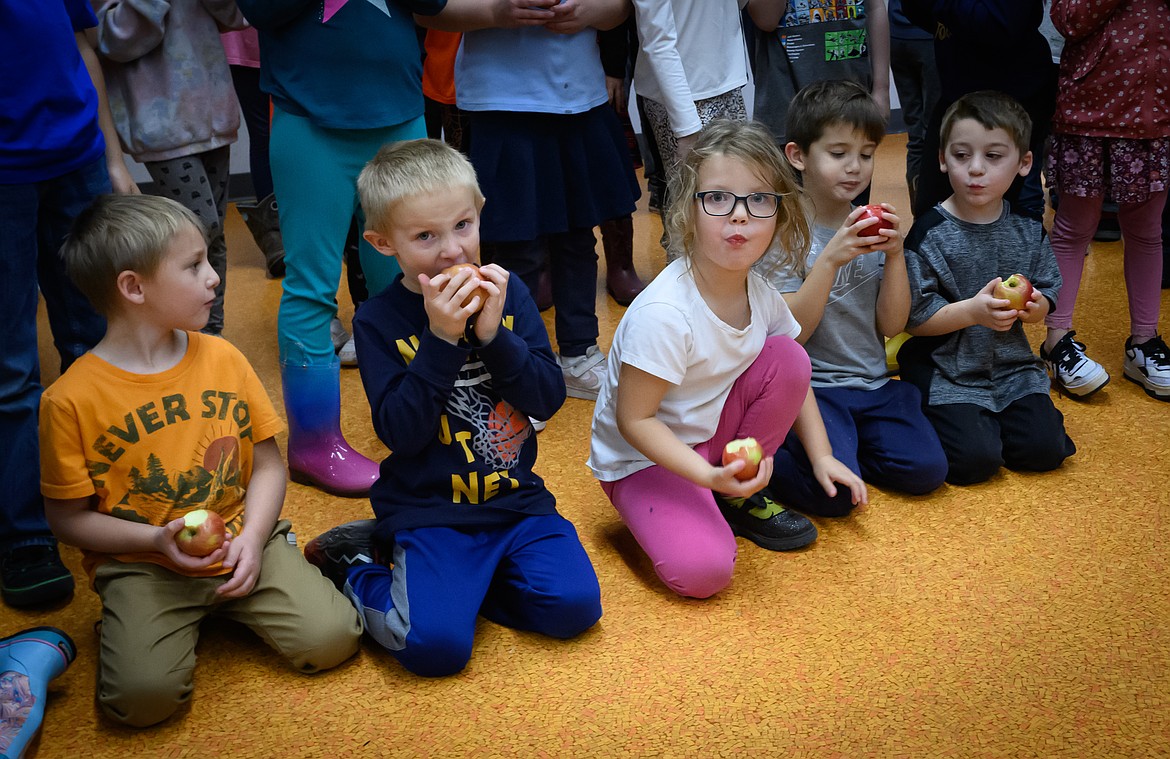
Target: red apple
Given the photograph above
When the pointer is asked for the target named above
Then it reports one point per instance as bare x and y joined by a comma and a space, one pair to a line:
878, 221
747, 450
1016, 290
482, 292
202, 533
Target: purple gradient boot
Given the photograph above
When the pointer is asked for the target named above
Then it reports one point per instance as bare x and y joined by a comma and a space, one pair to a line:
28, 661
318, 455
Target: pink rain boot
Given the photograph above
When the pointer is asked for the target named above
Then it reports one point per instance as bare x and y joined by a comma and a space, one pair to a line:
317, 453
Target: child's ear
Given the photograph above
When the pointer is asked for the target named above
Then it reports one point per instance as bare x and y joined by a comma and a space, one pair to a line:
942, 160
380, 242
794, 155
129, 284
1026, 163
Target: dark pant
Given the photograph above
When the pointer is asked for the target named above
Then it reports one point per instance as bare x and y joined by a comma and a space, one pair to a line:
572, 258
880, 434
1028, 436
916, 77
254, 104
34, 219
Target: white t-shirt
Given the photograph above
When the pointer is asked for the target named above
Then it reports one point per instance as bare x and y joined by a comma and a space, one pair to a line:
670, 332
691, 50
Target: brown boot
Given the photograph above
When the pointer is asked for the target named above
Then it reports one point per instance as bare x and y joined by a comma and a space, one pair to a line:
263, 222
621, 280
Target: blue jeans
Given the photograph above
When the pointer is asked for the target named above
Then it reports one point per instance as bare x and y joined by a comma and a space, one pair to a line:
34, 219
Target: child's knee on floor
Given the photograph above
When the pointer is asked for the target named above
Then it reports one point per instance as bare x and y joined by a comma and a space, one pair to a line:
141, 697
699, 575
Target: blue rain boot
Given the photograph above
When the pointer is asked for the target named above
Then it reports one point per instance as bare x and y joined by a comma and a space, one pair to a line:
318, 455
28, 661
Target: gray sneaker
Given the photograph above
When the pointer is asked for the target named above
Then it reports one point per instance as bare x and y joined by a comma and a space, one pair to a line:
1148, 364
1074, 373
343, 343
584, 375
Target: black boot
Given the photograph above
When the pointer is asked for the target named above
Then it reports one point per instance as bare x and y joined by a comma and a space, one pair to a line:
263, 222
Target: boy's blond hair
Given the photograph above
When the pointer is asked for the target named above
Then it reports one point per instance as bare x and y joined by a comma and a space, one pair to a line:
408, 169
992, 110
751, 143
120, 233
822, 104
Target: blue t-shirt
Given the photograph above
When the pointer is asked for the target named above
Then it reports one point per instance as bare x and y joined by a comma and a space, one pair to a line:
490, 73
49, 113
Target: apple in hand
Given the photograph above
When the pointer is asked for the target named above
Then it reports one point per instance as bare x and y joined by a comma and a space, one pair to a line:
482, 292
202, 533
747, 450
877, 222
1016, 290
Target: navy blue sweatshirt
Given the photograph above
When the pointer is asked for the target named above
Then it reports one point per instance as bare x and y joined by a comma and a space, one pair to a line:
454, 417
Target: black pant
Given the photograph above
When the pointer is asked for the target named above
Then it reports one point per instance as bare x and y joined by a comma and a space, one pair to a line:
572, 260
254, 106
1028, 435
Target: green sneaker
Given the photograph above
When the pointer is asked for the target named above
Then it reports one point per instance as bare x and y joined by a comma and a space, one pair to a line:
766, 523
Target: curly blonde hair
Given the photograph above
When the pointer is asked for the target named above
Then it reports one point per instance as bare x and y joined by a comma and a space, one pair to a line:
751, 143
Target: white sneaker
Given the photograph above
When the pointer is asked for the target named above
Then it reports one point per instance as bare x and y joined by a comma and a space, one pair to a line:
343, 344
1148, 364
1072, 371
537, 424
584, 375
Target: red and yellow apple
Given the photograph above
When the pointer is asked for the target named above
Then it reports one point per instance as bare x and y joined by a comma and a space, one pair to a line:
747, 450
482, 292
1016, 290
877, 222
203, 532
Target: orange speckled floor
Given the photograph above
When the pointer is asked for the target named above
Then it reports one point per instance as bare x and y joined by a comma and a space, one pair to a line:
1027, 616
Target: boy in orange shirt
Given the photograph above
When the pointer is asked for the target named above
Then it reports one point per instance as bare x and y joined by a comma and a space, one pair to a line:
156, 421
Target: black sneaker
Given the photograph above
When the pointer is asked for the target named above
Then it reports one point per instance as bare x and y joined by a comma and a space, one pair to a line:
766, 523
33, 577
335, 551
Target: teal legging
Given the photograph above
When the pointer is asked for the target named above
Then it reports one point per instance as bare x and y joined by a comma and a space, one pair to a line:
314, 173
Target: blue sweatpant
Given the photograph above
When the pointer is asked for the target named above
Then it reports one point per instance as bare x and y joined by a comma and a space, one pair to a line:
531, 575
882, 435
314, 171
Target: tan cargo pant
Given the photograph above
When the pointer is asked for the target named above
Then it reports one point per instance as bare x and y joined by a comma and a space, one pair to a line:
151, 616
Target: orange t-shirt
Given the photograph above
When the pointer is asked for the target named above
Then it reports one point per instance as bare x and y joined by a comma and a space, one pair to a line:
438, 80
151, 447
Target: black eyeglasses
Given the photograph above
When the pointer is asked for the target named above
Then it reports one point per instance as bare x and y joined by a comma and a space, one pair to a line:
762, 205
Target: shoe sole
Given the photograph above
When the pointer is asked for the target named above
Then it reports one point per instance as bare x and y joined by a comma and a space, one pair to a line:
585, 395
304, 479
1080, 393
1140, 381
34, 596
799, 540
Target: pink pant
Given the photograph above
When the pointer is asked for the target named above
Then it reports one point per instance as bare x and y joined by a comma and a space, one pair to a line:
1141, 226
677, 522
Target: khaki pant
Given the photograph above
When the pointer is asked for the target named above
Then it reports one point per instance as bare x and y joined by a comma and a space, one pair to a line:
151, 616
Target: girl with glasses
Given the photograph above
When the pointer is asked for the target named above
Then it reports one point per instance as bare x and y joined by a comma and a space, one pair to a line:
704, 356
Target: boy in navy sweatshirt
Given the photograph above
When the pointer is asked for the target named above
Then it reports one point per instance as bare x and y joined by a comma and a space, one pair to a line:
454, 363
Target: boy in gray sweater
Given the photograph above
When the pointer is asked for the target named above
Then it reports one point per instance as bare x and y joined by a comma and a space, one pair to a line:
983, 388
